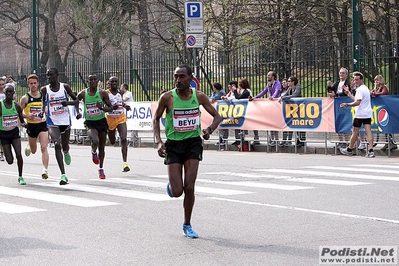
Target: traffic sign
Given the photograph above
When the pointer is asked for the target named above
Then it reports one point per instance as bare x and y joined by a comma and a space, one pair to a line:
193, 10
193, 17
195, 40
194, 25
194, 83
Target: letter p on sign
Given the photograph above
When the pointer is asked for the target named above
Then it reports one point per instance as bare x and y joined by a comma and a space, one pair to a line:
193, 9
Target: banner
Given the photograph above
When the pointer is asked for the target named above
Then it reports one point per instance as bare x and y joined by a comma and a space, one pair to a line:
297, 114
385, 118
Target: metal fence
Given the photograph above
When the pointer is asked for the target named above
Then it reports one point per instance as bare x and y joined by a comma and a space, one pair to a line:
313, 63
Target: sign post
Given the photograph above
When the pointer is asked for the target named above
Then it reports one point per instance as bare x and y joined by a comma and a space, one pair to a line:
193, 14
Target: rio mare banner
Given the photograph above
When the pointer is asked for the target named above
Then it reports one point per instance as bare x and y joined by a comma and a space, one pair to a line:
385, 115
297, 114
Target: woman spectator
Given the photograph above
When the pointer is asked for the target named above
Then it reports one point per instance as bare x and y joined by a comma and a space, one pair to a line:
381, 89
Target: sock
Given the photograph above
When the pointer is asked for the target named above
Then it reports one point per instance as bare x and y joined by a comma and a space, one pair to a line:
371, 150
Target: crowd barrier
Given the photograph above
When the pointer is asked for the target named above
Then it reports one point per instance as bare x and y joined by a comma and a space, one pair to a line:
321, 115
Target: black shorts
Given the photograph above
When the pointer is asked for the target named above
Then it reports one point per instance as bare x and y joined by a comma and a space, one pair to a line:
7, 137
34, 130
178, 151
99, 125
358, 122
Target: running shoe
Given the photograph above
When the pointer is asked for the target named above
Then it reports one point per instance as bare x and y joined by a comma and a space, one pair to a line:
44, 174
101, 174
64, 180
94, 158
168, 190
370, 154
21, 180
189, 232
27, 150
67, 158
362, 146
345, 151
125, 167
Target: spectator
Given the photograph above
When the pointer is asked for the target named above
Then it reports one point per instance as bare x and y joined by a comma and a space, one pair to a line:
126, 94
127, 98
217, 95
337, 90
245, 93
273, 87
287, 135
218, 92
381, 89
294, 90
233, 85
363, 114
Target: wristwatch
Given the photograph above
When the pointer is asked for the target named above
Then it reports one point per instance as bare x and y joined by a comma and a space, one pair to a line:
210, 130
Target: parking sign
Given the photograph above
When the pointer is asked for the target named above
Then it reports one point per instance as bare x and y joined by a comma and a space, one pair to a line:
193, 10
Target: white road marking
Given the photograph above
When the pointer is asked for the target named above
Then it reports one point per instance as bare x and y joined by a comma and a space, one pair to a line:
323, 173
248, 184
111, 191
62, 199
206, 190
14, 208
355, 216
295, 179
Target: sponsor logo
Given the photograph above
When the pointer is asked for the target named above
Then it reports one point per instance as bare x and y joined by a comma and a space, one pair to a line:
383, 117
232, 112
302, 114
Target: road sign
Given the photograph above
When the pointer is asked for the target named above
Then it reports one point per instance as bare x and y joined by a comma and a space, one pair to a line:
194, 25
195, 40
193, 17
194, 83
193, 10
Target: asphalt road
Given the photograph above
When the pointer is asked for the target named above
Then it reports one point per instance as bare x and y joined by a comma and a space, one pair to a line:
251, 209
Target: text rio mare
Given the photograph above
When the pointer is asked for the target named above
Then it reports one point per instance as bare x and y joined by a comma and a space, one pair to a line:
186, 119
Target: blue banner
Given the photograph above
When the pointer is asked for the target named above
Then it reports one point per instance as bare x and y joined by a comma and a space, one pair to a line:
385, 115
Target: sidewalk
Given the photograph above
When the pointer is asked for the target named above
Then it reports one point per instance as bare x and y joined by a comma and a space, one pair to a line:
316, 143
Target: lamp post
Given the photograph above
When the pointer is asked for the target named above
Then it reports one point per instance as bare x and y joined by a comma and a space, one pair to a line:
355, 35
33, 50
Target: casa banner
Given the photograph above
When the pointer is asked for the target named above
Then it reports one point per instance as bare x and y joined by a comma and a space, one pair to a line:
385, 114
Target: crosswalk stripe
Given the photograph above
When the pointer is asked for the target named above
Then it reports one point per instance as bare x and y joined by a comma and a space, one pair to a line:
63, 199
378, 166
295, 179
334, 174
111, 191
14, 208
364, 168
28, 176
200, 189
247, 183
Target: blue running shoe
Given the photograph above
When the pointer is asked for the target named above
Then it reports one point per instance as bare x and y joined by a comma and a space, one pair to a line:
189, 232
168, 190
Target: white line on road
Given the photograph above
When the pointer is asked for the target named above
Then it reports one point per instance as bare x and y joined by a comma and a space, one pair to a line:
295, 179
111, 191
248, 184
206, 190
334, 174
14, 208
63, 199
309, 210
361, 168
